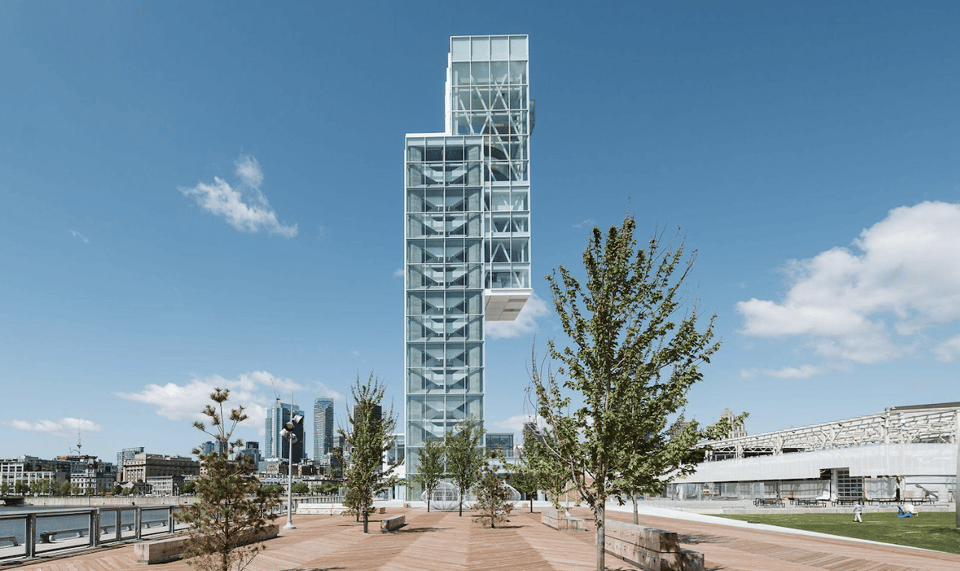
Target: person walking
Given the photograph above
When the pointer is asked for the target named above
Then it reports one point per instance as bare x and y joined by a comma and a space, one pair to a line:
857, 510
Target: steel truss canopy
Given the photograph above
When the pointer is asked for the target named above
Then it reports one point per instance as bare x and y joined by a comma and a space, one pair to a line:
918, 424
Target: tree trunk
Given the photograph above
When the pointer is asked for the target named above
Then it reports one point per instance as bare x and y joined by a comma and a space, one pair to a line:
366, 518
531, 501
601, 536
635, 516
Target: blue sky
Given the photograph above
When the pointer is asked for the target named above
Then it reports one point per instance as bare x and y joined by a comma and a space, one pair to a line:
202, 194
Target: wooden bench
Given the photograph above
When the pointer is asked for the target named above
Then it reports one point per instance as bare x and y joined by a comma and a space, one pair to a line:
170, 549
763, 502
648, 548
809, 502
561, 520
393, 523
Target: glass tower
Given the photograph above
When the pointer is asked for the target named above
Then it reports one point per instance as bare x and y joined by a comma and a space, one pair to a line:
322, 431
467, 232
275, 445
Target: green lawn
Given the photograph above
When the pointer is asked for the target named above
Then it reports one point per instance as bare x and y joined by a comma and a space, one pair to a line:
932, 530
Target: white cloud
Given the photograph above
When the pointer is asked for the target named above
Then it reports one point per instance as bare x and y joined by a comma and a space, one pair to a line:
326, 392
83, 238
64, 427
245, 207
514, 423
588, 222
526, 321
254, 391
398, 273
949, 350
866, 303
803, 372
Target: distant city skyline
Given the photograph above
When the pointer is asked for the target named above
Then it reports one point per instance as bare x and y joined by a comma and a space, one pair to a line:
199, 196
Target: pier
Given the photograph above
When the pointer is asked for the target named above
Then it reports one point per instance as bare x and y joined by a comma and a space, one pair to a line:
442, 541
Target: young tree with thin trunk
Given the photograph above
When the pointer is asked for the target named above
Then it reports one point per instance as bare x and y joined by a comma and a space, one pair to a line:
629, 364
369, 437
465, 456
493, 495
232, 510
430, 466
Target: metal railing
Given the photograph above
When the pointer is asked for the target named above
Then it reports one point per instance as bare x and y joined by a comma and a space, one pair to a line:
32, 534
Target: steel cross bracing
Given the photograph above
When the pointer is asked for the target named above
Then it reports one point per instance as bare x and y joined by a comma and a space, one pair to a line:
895, 426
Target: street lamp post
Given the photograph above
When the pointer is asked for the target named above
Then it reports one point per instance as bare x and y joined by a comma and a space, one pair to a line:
289, 433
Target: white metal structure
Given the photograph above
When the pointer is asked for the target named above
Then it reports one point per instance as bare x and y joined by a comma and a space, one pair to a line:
467, 232
907, 452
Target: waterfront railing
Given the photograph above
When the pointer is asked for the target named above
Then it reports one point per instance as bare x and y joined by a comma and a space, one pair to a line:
33, 534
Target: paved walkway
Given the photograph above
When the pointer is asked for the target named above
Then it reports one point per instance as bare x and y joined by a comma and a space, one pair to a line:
443, 541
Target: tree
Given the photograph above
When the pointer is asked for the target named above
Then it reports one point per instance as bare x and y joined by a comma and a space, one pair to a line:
493, 495
465, 456
430, 466
301, 488
232, 510
630, 362
370, 436
537, 469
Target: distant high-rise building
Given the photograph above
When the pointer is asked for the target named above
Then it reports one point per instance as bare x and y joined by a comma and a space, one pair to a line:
322, 431
276, 446
126, 454
250, 450
467, 232
737, 429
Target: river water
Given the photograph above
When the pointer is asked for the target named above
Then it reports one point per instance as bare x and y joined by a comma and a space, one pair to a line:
16, 527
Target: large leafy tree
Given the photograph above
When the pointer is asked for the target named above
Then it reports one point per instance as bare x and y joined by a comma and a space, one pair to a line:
630, 361
369, 437
430, 467
232, 509
465, 456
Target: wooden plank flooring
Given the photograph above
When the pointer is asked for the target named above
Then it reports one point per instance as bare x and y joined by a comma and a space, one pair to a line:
444, 541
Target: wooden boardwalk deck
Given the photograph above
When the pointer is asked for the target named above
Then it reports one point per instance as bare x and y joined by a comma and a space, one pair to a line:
445, 542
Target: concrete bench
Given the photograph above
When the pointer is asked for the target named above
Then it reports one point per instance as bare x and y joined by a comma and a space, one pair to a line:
9, 539
648, 548
393, 522
170, 549
561, 520
321, 509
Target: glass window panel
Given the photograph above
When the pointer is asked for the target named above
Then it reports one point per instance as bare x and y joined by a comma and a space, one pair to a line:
473, 198
474, 276
474, 303
474, 406
500, 48
518, 47
433, 201
434, 154
518, 97
461, 73
475, 381
518, 72
460, 49
415, 153
481, 49
500, 72
454, 153
480, 72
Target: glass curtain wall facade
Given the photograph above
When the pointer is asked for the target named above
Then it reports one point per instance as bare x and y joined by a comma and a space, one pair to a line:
467, 232
275, 445
322, 431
